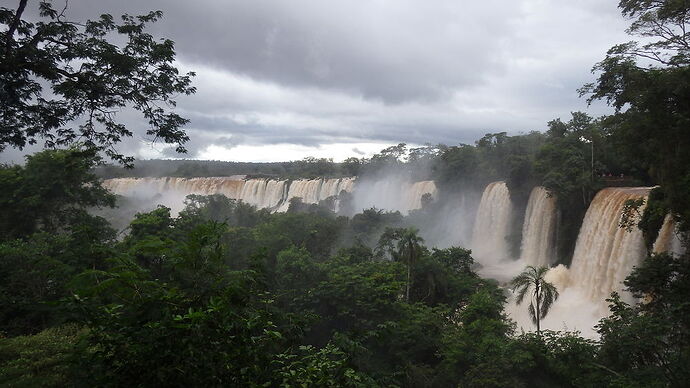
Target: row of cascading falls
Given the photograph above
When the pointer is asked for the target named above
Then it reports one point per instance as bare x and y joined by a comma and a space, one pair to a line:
276, 194
604, 256
605, 253
492, 224
263, 193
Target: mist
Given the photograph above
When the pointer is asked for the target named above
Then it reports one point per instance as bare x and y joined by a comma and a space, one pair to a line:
468, 217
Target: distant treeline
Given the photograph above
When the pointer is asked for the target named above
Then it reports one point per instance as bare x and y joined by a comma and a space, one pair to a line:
309, 167
573, 159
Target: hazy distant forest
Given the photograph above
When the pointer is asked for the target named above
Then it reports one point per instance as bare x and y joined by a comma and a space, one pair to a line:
225, 294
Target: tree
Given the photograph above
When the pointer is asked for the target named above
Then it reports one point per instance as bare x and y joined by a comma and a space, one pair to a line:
565, 165
351, 166
390, 157
90, 78
477, 351
50, 193
543, 293
566, 161
421, 159
425, 154
443, 277
457, 166
647, 342
405, 245
457, 259
393, 154
649, 87
665, 20
564, 359
312, 167
47, 234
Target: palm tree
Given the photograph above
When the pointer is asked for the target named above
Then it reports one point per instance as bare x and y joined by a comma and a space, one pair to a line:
409, 245
407, 250
543, 293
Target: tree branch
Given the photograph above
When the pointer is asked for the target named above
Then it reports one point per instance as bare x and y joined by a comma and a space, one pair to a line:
15, 23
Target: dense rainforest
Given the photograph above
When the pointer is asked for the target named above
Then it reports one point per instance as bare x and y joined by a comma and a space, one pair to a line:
226, 294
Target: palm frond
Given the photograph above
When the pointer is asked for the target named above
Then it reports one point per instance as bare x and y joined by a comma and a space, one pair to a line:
532, 279
532, 313
520, 280
522, 291
550, 294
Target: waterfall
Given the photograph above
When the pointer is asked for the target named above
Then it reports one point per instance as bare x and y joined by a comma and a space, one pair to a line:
276, 194
539, 229
413, 194
668, 239
230, 186
605, 253
604, 256
317, 190
334, 189
308, 190
263, 193
329, 188
346, 184
492, 224
392, 193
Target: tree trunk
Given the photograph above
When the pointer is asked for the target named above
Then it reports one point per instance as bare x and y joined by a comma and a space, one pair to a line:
538, 315
15, 24
410, 260
407, 289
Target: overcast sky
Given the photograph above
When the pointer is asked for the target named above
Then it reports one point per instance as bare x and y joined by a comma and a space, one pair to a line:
282, 80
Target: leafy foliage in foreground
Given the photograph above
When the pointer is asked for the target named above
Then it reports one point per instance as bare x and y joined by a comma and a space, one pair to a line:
178, 306
93, 70
225, 294
42, 360
47, 235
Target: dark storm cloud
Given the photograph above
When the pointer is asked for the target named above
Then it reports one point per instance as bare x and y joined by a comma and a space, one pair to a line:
392, 51
313, 73
257, 134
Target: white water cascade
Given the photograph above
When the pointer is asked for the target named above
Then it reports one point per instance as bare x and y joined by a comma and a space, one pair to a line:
605, 253
414, 193
391, 193
539, 229
276, 194
668, 239
264, 193
604, 256
492, 224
